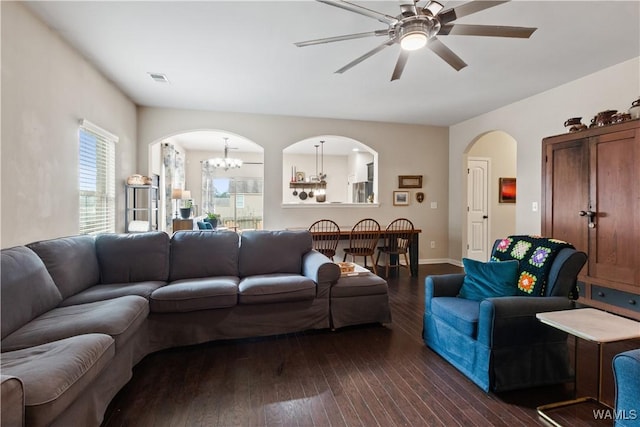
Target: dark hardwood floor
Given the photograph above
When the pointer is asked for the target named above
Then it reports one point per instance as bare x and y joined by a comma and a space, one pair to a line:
369, 375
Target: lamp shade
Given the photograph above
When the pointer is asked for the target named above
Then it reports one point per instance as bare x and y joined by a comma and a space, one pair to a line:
176, 193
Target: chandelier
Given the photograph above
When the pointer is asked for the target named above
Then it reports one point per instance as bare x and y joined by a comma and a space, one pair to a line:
227, 162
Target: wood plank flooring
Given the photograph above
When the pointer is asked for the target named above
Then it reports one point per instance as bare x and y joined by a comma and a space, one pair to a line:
370, 375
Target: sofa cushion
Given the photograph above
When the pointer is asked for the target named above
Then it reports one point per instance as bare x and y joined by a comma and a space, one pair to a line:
355, 286
71, 261
129, 258
269, 288
196, 294
489, 279
203, 254
56, 374
461, 314
113, 290
27, 288
269, 252
120, 318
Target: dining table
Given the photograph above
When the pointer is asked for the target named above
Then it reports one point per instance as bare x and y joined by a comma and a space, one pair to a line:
414, 244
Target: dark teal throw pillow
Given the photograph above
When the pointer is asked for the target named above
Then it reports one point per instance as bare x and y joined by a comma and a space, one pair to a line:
489, 279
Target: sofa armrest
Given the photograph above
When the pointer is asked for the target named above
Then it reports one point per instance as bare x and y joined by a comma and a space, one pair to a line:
626, 371
12, 398
510, 321
321, 270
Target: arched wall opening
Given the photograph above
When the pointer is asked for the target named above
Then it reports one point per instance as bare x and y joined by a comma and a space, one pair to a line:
498, 151
343, 169
179, 161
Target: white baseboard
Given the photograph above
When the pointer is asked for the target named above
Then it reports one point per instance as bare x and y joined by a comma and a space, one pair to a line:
437, 261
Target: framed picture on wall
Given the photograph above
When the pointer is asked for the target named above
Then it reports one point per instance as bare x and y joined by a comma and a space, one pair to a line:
400, 198
409, 181
507, 190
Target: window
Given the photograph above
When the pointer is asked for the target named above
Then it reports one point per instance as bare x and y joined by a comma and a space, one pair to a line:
96, 179
238, 200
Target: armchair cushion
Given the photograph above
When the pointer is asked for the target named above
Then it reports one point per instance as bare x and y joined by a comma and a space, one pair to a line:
461, 314
203, 225
488, 279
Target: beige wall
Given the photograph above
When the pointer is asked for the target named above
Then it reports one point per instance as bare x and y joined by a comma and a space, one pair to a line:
47, 87
402, 150
528, 121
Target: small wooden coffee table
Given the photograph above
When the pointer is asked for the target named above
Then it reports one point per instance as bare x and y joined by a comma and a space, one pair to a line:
592, 325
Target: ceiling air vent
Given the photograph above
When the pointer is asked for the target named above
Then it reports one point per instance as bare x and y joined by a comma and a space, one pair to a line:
159, 77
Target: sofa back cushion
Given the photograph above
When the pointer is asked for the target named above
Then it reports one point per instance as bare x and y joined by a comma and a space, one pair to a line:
27, 288
197, 254
71, 262
135, 257
268, 252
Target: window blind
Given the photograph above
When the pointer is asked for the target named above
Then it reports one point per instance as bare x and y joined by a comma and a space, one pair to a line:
96, 172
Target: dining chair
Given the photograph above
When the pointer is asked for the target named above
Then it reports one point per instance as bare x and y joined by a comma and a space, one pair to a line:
326, 235
398, 235
363, 240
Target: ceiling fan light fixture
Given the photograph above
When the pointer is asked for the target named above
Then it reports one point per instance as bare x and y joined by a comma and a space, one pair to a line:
414, 40
225, 162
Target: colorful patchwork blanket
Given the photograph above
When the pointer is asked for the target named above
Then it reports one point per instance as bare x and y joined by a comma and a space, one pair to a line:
535, 254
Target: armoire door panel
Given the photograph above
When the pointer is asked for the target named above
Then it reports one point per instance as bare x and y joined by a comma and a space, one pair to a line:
614, 189
568, 167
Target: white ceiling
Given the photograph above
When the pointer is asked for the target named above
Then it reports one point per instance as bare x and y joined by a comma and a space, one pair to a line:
239, 56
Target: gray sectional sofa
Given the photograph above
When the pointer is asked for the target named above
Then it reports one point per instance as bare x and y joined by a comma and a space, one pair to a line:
79, 312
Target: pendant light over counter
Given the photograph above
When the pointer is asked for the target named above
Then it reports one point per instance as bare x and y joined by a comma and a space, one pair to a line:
316, 183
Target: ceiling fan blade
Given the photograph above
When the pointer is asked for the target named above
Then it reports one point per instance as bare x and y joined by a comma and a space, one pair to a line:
351, 7
467, 9
432, 8
402, 61
365, 56
341, 38
446, 54
486, 30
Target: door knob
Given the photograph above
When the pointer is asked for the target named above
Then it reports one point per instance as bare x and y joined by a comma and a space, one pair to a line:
591, 215
485, 216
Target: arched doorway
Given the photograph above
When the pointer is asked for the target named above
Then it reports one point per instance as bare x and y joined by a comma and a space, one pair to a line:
235, 193
488, 158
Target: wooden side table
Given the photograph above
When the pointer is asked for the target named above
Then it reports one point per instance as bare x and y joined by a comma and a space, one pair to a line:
182, 224
592, 325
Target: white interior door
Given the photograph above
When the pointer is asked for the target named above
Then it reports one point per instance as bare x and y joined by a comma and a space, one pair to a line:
478, 209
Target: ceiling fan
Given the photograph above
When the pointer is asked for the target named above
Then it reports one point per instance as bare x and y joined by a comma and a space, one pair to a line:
418, 26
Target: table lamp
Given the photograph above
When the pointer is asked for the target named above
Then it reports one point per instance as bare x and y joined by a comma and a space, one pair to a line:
176, 194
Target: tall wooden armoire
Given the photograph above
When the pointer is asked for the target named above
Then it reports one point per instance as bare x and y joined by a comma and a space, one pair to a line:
591, 198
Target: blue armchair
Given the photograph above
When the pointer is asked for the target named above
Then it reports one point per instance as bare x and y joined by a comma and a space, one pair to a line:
203, 225
497, 342
626, 371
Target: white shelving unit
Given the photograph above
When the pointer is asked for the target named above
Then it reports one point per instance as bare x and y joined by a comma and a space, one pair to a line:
141, 208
